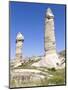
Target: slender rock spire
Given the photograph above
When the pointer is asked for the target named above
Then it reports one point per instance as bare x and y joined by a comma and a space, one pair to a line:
51, 57
19, 45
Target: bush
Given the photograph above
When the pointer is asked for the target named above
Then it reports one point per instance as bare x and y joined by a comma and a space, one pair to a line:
53, 69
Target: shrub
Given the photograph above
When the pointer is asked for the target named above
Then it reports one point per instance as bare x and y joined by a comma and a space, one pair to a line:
53, 69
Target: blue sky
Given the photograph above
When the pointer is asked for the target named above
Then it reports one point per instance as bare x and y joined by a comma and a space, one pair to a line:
28, 18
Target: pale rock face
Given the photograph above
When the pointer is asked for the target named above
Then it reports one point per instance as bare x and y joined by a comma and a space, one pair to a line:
49, 61
52, 60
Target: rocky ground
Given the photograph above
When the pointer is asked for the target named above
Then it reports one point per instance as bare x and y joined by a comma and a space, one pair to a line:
37, 77
26, 75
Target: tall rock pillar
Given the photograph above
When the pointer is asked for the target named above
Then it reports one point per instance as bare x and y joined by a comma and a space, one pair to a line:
19, 44
51, 57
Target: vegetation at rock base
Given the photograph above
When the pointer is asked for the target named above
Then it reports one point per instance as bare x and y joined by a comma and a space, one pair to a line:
58, 77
